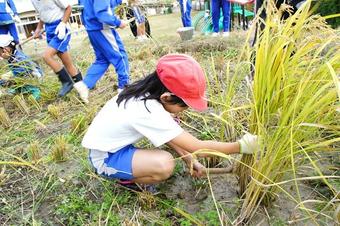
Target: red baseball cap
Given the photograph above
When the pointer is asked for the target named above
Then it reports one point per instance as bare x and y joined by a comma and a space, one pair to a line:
183, 76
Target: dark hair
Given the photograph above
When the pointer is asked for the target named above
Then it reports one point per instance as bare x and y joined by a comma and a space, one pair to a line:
149, 88
11, 45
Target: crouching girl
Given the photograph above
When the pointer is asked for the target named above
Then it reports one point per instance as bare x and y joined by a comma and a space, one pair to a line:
144, 109
20, 65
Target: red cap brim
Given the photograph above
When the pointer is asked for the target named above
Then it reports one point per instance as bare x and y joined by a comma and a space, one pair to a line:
200, 104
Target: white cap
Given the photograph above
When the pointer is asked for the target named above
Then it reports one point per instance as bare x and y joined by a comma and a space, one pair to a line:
5, 40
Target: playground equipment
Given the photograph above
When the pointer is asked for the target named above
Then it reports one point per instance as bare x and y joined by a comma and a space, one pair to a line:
185, 33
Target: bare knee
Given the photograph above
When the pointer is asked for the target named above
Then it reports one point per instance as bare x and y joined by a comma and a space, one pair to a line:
166, 166
47, 57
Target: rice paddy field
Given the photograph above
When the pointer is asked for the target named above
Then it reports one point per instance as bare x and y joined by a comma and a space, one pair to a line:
285, 89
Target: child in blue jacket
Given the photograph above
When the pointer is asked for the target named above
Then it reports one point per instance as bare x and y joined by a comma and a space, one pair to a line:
101, 23
20, 66
7, 21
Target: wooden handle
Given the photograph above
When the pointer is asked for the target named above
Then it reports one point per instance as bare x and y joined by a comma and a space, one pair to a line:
30, 38
218, 170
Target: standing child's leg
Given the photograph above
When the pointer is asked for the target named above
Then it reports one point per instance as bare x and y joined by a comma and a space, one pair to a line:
142, 28
139, 22
112, 47
60, 47
226, 17
108, 49
124, 71
96, 70
63, 75
216, 11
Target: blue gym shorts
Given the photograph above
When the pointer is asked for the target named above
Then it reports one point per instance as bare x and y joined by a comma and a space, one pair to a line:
117, 165
53, 40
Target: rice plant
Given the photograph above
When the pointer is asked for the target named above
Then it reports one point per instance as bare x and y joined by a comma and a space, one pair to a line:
4, 118
34, 102
34, 151
20, 102
78, 124
228, 97
54, 111
295, 97
59, 149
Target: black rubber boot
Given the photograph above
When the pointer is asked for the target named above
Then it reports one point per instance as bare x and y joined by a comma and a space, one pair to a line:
66, 81
77, 78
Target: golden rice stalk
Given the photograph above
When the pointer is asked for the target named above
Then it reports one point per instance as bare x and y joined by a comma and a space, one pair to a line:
78, 124
34, 151
294, 89
40, 127
59, 149
20, 102
4, 118
34, 102
54, 111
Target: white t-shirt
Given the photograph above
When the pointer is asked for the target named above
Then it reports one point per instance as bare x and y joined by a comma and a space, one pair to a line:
50, 10
116, 127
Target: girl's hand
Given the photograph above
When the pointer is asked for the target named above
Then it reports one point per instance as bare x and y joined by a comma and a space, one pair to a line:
123, 24
37, 33
249, 144
196, 168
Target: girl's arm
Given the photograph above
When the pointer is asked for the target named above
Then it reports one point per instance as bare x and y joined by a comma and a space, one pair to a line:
191, 144
67, 14
192, 163
38, 29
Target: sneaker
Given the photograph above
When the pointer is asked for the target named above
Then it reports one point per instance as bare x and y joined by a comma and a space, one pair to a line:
119, 90
144, 37
140, 39
138, 187
215, 34
177, 119
226, 34
82, 90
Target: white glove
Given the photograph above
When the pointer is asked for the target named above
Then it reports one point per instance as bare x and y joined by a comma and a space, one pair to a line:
82, 90
61, 30
16, 18
248, 144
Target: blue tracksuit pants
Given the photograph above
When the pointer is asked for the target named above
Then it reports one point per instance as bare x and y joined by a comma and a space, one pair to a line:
11, 29
185, 12
216, 5
109, 49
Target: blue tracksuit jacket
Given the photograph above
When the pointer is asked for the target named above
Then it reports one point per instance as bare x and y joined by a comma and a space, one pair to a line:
6, 8
22, 66
99, 20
